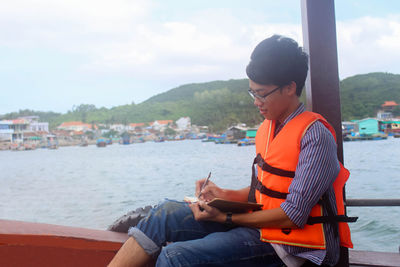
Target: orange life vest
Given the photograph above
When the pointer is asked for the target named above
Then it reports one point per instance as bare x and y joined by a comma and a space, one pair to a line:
276, 161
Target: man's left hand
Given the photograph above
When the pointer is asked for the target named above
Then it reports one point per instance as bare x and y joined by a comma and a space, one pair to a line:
203, 212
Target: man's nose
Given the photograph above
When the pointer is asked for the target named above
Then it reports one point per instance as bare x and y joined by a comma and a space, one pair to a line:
257, 102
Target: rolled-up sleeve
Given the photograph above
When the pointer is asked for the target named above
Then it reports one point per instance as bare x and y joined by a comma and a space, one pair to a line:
316, 171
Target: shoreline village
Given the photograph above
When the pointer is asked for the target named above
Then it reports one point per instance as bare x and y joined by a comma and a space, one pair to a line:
28, 133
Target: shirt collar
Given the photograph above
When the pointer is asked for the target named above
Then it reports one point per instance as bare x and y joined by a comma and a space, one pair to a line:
298, 111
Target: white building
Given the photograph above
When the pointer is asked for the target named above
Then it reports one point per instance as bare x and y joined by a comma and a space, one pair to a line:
384, 115
161, 125
13, 130
183, 123
5, 131
39, 127
77, 126
118, 127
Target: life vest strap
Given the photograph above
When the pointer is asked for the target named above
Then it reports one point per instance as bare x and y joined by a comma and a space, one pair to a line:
257, 185
329, 219
268, 168
269, 192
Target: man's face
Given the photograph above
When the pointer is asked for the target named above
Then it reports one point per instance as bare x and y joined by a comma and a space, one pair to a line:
272, 100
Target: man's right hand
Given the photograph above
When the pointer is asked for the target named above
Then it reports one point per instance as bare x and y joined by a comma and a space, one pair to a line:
209, 192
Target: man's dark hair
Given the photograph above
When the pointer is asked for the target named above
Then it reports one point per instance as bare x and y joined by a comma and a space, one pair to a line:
278, 60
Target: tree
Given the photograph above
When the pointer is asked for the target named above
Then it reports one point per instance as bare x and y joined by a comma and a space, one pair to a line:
111, 133
169, 131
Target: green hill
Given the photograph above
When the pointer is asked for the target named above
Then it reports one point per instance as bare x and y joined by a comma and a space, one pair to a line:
219, 104
362, 95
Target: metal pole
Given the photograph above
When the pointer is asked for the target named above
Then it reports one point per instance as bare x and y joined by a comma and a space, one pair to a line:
322, 84
372, 202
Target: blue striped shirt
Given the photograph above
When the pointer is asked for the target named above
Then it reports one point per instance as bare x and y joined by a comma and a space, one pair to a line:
315, 173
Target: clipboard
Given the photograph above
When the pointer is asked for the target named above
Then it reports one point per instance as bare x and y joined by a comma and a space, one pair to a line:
234, 206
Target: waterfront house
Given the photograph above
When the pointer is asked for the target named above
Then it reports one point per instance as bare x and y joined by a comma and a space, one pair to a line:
236, 132
368, 126
183, 124
251, 133
34, 125
77, 126
120, 128
22, 129
5, 131
13, 130
386, 111
136, 127
390, 126
384, 115
161, 125
349, 127
39, 126
389, 106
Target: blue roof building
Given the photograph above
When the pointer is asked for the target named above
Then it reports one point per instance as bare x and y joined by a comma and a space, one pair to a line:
368, 126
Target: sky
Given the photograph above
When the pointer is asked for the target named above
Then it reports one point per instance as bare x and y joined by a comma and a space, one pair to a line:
56, 54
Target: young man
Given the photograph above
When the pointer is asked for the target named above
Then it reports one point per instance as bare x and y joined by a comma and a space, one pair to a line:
296, 168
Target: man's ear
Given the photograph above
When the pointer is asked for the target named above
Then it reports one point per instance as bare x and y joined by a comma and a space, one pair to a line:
291, 88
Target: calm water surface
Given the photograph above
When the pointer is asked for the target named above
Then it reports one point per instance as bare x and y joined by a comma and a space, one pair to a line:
91, 187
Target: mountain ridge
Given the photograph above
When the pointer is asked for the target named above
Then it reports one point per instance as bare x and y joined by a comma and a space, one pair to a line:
219, 104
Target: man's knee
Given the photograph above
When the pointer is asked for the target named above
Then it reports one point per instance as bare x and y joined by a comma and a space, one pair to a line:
171, 206
165, 210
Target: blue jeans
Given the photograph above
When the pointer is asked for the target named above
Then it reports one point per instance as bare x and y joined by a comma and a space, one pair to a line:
198, 243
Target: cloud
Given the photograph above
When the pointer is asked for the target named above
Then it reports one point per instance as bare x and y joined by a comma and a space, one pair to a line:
141, 43
196, 48
123, 36
68, 24
368, 44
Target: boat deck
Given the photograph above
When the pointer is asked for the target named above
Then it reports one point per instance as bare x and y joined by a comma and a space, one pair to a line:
372, 258
53, 245
28, 244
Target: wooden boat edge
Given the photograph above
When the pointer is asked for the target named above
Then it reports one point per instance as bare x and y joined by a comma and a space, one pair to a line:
38, 244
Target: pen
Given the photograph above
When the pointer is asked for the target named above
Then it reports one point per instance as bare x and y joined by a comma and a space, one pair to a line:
204, 184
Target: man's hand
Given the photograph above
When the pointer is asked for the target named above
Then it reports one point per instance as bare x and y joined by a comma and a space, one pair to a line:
209, 192
203, 212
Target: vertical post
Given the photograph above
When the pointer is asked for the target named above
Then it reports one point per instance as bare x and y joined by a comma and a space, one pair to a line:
322, 84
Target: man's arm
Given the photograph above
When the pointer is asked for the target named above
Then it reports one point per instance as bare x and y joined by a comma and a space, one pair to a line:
236, 195
272, 218
316, 171
258, 219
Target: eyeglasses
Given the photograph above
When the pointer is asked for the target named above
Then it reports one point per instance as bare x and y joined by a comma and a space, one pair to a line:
262, 97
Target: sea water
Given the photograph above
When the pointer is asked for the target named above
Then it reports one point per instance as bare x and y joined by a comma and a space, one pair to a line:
92, 187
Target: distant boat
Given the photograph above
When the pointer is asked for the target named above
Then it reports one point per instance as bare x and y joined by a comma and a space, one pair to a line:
84, 143
379, 136
212, 138
226, 141
246, 142
159, 139
52, 141
101, 142
29, 146
138, 140
126, 140
362, 137
17, 147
